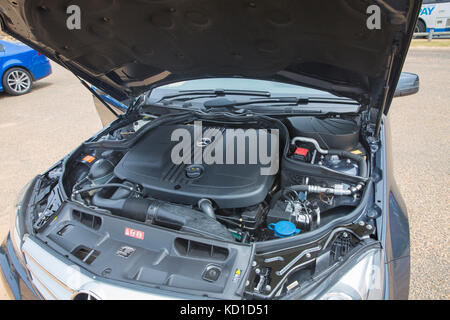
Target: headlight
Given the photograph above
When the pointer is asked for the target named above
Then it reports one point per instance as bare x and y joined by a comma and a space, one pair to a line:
363, 279
15, 232
21, 194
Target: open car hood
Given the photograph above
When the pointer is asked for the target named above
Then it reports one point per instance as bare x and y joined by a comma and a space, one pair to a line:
126, 47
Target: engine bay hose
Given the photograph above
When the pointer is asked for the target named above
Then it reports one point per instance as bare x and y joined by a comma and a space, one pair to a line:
164, 214
362, 168
107, 185
312, 141
206, 206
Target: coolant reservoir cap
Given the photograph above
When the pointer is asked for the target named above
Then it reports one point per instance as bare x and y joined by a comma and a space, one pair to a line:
284, 229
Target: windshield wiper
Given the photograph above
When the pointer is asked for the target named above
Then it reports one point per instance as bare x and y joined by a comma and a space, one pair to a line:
195, 94
226, 103
286, 101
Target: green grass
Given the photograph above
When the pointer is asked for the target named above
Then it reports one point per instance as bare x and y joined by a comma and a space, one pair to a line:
433, 43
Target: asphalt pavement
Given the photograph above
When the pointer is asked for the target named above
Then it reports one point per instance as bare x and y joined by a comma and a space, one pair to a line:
38, 129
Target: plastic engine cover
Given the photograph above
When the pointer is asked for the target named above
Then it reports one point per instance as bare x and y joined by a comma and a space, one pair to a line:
330, 133
149, 163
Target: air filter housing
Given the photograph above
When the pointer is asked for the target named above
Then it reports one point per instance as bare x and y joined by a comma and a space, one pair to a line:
330, 133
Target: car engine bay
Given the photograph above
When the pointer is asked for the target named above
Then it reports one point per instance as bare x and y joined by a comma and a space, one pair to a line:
217, 211
143, 184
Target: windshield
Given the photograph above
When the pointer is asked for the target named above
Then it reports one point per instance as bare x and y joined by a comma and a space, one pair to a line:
273, 87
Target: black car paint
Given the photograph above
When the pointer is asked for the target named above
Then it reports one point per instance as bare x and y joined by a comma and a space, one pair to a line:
408, 84
393, 221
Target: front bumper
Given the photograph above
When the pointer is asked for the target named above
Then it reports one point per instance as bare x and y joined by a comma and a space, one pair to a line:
14, 275
44, 274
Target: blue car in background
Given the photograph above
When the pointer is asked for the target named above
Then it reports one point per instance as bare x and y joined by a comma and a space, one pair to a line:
20, 66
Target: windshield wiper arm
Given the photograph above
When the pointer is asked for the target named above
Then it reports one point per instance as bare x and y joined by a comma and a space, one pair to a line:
292, 101
194, 94
226, 103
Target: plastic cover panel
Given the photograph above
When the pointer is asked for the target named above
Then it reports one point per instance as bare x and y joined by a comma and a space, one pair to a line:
149, 163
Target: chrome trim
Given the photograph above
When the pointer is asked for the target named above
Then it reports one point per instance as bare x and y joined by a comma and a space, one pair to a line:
33, 277
89, 293
63, 279
45, 271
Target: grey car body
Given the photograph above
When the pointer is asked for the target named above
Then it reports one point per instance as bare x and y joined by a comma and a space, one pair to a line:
351, 61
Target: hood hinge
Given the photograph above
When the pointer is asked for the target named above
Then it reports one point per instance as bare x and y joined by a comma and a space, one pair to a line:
369, 118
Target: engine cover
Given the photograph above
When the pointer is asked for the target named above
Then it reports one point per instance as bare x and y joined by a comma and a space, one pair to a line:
149, 164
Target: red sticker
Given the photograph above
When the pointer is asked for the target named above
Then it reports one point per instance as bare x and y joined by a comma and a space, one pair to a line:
134, 233
89, 159
301, 151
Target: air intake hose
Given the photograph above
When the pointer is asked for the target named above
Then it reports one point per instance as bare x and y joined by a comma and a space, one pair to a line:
164, 214
207, 208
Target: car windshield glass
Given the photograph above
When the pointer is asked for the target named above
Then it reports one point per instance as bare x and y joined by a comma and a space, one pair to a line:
275, 88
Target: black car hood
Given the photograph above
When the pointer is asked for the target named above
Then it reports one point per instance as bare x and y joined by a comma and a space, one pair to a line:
126, 47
